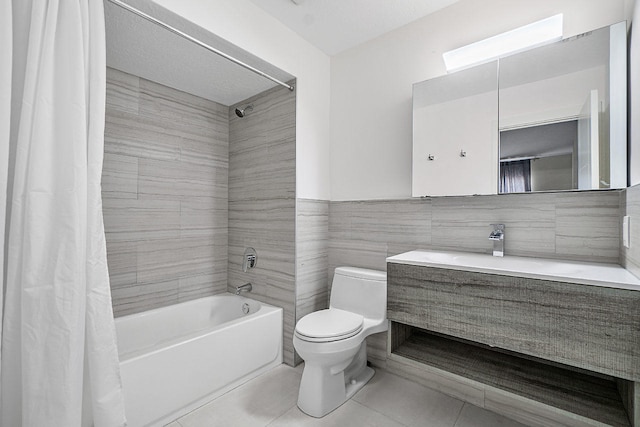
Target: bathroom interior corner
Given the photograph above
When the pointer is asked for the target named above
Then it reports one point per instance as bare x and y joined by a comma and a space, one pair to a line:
300, 197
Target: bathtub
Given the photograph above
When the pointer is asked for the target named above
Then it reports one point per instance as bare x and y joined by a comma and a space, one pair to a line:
174, 359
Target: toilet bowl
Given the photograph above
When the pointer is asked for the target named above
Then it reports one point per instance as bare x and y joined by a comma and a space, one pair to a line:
332, 342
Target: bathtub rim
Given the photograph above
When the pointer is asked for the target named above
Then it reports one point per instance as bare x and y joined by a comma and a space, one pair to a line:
263, 310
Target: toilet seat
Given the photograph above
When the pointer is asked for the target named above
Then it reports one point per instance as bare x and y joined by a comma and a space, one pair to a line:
329, 325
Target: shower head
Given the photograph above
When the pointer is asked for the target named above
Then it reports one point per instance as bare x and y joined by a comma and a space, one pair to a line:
241, 112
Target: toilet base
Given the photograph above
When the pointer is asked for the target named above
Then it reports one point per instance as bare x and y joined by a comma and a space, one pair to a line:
322, 391
356, 383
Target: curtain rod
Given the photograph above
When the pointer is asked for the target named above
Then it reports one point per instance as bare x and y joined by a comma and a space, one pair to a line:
198, 42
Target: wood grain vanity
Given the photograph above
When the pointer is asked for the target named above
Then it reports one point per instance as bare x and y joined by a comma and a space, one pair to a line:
540, 347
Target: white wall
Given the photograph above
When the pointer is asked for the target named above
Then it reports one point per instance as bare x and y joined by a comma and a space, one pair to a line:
371, 84
551, 99
552, 173
249, 27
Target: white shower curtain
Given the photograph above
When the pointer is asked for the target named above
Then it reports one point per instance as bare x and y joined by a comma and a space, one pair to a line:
59, 363
6, 42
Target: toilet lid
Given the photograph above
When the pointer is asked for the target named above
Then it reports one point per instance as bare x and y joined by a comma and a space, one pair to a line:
329, 325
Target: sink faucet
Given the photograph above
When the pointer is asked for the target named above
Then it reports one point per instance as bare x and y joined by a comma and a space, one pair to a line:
247, 287
497, 235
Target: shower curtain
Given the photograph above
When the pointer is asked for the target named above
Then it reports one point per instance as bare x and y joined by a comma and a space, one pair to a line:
58, 356
515, 176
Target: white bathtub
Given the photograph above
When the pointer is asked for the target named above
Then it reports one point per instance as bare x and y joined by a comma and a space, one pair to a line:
174, 359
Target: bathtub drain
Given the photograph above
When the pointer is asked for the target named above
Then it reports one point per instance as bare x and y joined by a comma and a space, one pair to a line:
245, 308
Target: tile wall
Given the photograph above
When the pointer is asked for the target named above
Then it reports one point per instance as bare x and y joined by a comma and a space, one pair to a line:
312, 257
571, 225
630, 257
183, 198
164, 189
262, 201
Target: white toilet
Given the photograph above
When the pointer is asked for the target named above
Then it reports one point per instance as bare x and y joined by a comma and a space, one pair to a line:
332, 342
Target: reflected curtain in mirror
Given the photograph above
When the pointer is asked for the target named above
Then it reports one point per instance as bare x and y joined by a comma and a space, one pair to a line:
515, 176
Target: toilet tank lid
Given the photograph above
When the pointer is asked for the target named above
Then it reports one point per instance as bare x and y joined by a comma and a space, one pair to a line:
362, 273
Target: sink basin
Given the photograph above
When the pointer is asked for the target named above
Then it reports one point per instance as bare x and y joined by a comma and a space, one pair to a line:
596, 274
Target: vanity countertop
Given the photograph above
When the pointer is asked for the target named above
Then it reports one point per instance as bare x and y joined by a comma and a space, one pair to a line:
595, 274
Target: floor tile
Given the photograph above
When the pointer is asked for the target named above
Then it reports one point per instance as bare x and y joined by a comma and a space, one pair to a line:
386, 401
349, 414
255, 403
472, 416
407, 402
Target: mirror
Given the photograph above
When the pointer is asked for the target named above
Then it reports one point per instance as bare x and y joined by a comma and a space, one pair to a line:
455, 126
560, 125
556, 103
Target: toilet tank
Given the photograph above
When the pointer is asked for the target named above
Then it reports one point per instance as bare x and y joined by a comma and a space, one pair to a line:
361, 291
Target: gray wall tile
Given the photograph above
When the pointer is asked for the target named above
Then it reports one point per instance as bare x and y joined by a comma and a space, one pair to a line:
119, 176
462, 223
205, 216
179, 180
131, 135
127, 220
143, 297
630, 257
189, 116
588, 226
572, 225
123, 91
262, 204
176, 258
200, 285
165, 194
122, 259
312, 257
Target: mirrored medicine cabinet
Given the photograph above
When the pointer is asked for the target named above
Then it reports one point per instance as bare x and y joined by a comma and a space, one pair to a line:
548, 119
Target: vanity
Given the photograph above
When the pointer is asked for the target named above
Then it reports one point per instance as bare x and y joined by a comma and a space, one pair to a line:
542, 341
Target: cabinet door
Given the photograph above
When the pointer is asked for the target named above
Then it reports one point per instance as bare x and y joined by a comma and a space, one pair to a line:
455, 133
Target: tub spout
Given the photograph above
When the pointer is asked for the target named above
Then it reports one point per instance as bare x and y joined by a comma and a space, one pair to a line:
247, 287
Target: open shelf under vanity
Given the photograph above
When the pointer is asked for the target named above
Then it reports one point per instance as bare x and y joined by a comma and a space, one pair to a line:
593, 398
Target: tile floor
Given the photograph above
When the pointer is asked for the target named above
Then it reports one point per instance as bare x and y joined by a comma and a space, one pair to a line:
387, 401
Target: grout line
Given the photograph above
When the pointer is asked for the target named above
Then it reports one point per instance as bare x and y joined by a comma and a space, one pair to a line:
376, 411
285, 412
460, 413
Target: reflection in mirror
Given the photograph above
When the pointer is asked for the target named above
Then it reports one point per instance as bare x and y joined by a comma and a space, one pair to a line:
562, 121
455, 133
538, 158
562, 115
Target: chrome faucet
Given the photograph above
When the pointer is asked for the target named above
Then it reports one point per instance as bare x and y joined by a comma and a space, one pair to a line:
249, 259
247, 287
497, 235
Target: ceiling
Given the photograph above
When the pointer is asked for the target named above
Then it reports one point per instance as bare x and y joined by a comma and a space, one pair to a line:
334, 26
549, 140
144, 49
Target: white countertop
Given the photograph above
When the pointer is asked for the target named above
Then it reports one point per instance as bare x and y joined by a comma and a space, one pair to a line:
596, 274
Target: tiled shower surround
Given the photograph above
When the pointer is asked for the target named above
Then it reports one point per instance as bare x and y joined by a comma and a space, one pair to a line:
187, 186
164, 194
262, 201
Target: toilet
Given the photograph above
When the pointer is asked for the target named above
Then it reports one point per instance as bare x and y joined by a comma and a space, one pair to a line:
332, 341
